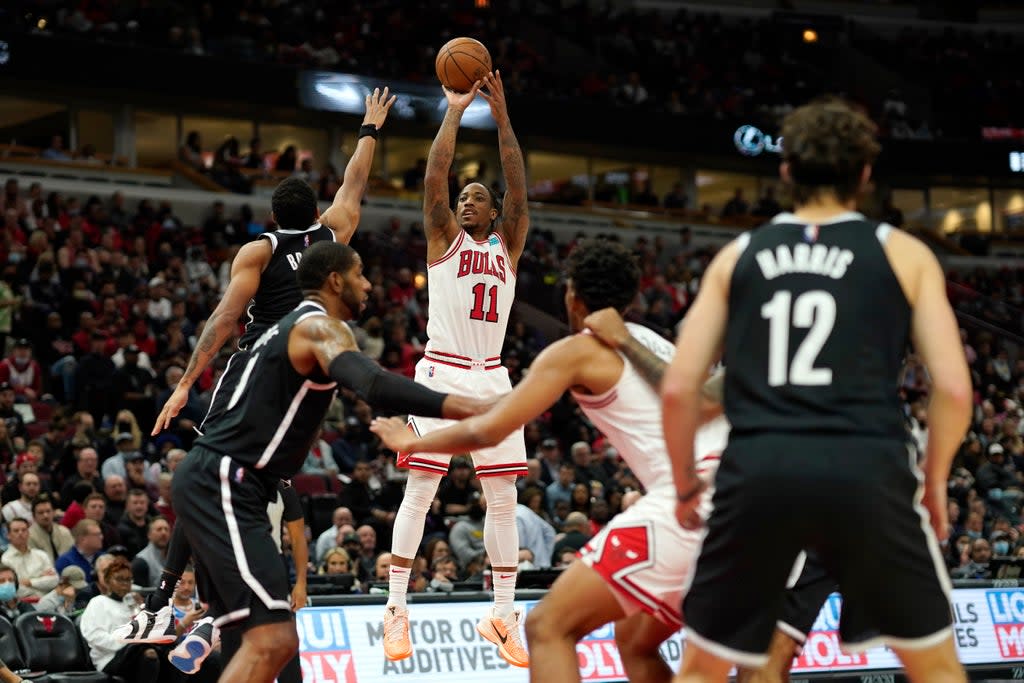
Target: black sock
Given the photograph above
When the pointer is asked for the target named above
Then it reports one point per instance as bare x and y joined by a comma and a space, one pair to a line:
178, 555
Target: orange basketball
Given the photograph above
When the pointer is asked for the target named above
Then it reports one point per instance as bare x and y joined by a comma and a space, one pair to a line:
461, 63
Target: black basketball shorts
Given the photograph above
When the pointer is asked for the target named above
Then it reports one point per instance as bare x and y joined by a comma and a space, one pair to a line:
805, 598
222, 508
855, 501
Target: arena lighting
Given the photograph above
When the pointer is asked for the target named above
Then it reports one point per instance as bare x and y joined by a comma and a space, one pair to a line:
1017, 162
810, 35
752, 141
415, 102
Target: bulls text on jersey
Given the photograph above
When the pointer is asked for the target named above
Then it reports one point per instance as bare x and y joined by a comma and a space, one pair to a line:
479, 262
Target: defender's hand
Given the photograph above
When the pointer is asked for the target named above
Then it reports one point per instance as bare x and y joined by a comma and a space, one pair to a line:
608, 326
394, 432
378, 105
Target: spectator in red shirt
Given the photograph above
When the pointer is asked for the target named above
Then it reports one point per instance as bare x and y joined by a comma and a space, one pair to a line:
403, 290
22, 372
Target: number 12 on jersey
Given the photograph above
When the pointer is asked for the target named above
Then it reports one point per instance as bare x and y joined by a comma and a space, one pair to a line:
480, 292
814, 311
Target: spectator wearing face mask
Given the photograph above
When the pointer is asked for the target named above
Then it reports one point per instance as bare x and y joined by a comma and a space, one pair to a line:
10, 606
22, 372
1000, 543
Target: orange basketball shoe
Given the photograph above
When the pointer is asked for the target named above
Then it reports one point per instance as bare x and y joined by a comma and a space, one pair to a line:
396, 633
505, 634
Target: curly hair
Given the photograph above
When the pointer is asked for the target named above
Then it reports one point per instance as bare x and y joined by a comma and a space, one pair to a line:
604, 274
119, 564
827, 144
293, 204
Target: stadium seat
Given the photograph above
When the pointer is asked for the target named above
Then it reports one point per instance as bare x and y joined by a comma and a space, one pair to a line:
10, 652
309, 484
42, 410
51, 643
35, 430
320, 510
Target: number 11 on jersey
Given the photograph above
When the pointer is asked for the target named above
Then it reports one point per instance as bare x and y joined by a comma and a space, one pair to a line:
480, 292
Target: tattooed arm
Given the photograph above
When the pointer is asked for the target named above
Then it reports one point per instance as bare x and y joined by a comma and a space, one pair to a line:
438, 219
515, 215
246, 271
608, 326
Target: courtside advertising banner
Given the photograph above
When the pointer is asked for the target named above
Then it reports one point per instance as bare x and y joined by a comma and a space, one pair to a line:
343, 644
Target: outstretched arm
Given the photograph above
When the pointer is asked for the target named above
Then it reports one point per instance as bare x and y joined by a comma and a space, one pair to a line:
343, 215
551, 374
515, 215
438, 219
246, 270
334, 349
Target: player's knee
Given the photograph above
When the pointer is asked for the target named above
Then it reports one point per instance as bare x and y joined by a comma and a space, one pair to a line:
544, 625
633, 646
420, 490
277, 643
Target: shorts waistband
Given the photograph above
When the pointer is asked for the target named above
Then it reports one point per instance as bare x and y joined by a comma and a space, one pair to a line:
464, 362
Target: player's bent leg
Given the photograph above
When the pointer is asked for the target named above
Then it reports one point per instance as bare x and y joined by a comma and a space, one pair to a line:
405, 541
700, 666
638, 638
780, 659
265, 650
934, 664
579, 602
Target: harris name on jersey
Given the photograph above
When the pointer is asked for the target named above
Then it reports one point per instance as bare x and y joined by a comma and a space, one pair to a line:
804, 258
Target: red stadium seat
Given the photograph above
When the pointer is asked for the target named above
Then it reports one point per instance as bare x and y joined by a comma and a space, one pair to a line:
35, 430
309, 484
42, 410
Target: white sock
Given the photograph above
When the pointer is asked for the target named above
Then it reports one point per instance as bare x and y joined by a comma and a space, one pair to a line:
504, 592
398, 582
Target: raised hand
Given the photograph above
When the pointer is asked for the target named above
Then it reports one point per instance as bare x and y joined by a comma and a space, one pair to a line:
460, 100
378, 104
495, 96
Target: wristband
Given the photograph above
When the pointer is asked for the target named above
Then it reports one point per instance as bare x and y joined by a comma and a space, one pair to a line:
368, 129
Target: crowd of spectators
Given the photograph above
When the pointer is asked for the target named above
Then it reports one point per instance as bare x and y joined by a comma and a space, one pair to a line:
704, 65
101, 305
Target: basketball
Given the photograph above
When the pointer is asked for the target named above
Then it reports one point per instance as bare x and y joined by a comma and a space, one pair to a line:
461, 62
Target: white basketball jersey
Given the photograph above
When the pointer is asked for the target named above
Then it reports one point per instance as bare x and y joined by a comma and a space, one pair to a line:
472, 288
629, 414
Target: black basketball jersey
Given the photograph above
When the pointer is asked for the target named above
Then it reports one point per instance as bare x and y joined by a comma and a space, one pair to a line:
278, 292
273, 412
818, 325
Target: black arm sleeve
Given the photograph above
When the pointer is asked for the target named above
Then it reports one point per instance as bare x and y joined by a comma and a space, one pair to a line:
292, 503
383, 389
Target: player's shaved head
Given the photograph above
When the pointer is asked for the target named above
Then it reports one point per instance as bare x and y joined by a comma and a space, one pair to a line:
320, 260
